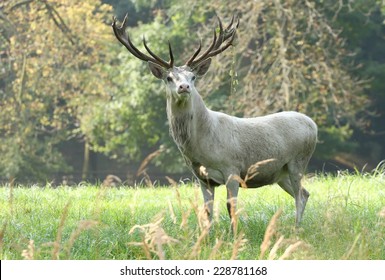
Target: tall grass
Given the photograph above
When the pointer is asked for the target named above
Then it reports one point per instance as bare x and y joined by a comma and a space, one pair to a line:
344, 219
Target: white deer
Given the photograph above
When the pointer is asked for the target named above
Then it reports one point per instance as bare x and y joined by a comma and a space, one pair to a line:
220, 149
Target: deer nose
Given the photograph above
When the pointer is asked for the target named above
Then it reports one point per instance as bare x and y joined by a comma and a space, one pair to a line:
184, 88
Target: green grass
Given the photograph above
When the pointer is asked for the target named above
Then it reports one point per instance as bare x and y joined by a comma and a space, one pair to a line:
344, 219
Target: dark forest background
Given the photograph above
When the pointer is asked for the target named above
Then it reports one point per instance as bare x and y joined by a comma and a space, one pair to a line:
75, 105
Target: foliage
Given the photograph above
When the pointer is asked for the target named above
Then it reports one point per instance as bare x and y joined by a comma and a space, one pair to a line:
362, 25
63, 75
53, 70
341, 221
134, 120
339, 136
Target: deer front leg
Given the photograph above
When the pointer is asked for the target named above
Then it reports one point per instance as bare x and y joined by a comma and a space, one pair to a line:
208, 197
232, 194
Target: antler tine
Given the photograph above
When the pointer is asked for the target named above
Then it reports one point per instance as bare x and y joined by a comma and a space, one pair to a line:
231, 22
171, 62
158, 60
228, 30
124, 38
204, 55
220, 36
223, 48
191, 59
216, 45
227, 33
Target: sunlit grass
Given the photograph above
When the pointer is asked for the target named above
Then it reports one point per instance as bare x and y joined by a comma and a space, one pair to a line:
344, 219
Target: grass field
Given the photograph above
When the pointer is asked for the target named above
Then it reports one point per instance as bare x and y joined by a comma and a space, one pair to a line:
344, 219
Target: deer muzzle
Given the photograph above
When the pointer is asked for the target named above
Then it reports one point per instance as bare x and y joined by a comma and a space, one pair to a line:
184, 88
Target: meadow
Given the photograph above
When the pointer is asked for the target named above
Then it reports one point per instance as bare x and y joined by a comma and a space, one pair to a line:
344, 219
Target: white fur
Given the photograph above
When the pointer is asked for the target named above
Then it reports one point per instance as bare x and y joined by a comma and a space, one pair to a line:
225, 147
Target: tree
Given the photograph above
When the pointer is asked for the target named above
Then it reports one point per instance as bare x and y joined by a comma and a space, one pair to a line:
362, 24
53, 54
134, 120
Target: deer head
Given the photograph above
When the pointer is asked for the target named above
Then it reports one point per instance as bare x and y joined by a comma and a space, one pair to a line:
180, 80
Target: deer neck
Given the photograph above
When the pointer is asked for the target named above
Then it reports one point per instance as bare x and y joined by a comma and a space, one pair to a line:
186, 118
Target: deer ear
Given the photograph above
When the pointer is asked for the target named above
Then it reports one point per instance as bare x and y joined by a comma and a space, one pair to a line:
202, 67
157, 70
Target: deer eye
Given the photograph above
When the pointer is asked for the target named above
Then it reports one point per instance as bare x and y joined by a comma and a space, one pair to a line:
169, 79
193, 78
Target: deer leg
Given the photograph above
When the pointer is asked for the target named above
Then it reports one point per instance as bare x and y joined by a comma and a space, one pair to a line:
292, 185
300, 194
232, 194
208, 197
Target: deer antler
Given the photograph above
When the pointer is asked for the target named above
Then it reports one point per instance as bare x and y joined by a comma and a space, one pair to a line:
124, 38
216, 45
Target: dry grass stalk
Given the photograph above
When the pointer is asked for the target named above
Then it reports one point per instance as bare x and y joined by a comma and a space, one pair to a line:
241, 182
351, 250
142, 170
154, 237
178, 197
185, 214
198, 214
214, 251
146, 249
111, 181
147, 160
252, 171
198, 245
172, 213
147, 180
238, 246
83, 225
276, 246
271, 230
293, 245
56, 244
234, 215
2, 233
291, 249
171, 181
270, 234
28, 254
201, 214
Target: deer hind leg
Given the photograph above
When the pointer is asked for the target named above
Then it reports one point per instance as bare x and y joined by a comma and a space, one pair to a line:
292, 185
